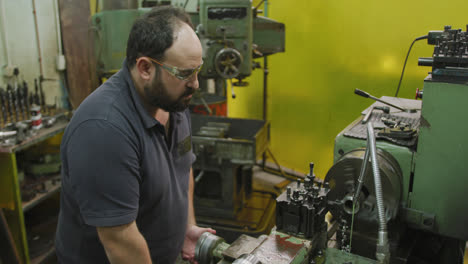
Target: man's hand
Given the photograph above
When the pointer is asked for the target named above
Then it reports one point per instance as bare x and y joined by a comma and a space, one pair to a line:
191, 237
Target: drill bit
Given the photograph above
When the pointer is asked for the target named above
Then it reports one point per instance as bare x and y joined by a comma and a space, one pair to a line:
10, 102
31, 99
20, 100
36, 99
41, 91
26, 98
3, 106
16, 104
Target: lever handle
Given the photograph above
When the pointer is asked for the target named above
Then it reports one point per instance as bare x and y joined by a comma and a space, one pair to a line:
361, 93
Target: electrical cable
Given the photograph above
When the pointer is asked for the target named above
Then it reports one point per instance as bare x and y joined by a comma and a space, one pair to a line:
284, 174
404, 64
280, 169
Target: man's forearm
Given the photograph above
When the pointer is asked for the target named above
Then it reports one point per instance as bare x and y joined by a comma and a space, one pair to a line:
191, 213
124, 244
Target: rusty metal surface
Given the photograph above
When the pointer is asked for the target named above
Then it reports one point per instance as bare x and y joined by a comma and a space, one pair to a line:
281, 248
243, 245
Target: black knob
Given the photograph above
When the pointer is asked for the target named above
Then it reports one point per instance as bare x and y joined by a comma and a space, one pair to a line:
311, 169
295, 194
361, 93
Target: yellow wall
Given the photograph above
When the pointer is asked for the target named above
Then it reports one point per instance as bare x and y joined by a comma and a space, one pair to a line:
333, 47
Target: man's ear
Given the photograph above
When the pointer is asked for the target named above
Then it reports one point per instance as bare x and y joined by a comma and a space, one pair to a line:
145, 68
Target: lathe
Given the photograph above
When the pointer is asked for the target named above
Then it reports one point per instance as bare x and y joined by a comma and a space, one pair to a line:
396, 189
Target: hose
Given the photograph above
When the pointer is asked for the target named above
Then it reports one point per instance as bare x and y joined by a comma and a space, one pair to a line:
382, 252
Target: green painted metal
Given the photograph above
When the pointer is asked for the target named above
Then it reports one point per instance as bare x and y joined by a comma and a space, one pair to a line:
10, 199
268, 35
111, 28
335, 256
403, 155
218, 251
215, 31
441, 170
7, 195
283, 244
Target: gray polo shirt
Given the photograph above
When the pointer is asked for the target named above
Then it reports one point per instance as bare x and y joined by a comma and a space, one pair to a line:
117, 167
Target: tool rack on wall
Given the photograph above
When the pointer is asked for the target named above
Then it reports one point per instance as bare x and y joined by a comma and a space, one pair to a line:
31, 218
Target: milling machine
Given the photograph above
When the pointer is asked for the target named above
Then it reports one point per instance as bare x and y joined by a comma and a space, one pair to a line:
396, 189
232, 36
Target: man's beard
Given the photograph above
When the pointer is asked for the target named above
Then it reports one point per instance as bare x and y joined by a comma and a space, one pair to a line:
157, 96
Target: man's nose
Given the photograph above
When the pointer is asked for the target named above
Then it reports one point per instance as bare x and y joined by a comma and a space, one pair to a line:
193, 82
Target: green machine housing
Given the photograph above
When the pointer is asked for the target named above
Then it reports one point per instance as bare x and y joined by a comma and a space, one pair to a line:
424, 171
230, 31
226, 34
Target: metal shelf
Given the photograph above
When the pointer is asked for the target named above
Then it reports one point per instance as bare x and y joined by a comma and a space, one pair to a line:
41, 135
41, 197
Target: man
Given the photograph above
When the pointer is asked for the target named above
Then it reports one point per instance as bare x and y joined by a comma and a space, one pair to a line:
127, 181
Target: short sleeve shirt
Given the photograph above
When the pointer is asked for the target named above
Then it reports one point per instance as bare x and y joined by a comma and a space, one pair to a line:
118, 167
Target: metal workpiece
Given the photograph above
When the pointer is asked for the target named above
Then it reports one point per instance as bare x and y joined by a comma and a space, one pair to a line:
281, 248
241, 246
207, 248
247, 259
276, 248
335, 256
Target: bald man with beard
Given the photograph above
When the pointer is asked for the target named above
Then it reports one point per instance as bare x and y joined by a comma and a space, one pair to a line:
127, 183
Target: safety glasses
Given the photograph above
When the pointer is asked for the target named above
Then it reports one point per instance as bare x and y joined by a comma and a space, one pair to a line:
181, 74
